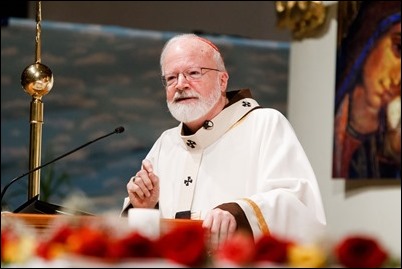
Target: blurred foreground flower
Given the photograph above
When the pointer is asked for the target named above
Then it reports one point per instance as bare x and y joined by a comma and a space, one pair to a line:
360, 252
186, 244
272, 249
238, 249
17, 243
307, 256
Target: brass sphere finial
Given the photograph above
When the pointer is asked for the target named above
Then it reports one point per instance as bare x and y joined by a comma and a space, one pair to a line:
37, 80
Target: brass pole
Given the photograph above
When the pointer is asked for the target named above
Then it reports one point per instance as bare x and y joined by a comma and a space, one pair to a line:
35, 146
36, 119
37, 80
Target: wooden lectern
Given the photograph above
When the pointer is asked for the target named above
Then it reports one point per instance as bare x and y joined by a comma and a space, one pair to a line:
41, 222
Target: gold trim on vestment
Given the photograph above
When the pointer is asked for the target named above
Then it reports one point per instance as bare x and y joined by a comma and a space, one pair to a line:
262, 224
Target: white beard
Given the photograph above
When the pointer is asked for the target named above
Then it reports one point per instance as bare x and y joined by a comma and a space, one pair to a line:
188, 113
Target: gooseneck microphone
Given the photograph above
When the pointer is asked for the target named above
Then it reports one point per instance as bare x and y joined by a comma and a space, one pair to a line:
118, 130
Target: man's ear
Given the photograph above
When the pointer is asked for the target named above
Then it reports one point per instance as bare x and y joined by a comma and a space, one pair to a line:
223, 82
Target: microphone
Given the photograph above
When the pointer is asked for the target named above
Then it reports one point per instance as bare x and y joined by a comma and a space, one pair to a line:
118, 130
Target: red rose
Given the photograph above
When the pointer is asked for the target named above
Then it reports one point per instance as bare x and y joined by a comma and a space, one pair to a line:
360, 252
184, 244
270, 248
61, 234
53, 246
133, 245
238, 249
88, 241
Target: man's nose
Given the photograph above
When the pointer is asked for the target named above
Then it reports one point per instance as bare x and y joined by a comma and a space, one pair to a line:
181, 79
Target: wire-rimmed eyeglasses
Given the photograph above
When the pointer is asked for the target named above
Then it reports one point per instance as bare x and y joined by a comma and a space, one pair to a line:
192, 73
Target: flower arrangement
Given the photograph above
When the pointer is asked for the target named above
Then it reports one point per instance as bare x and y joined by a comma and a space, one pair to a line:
182, 246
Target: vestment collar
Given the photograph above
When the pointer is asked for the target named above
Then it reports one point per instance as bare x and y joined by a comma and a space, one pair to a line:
240, 104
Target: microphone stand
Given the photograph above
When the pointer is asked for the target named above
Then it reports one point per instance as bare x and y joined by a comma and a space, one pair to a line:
34, 205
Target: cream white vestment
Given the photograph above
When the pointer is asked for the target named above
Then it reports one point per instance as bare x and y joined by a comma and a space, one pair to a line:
247, 155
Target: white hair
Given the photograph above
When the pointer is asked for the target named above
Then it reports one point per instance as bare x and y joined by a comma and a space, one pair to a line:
216, 54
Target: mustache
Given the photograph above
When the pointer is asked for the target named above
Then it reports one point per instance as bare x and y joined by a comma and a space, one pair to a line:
185, 94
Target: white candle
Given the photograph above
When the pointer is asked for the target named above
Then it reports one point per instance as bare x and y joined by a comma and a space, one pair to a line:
145, 220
